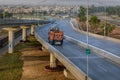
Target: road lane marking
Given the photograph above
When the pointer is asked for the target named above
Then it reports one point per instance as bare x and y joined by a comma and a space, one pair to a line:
105, 70
84, 57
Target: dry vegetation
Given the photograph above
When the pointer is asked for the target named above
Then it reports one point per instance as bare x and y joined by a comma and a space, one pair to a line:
28, 63
114, 34
35, 61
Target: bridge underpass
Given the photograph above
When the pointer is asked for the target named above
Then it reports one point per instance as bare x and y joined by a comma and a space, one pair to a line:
3, 49
74, 55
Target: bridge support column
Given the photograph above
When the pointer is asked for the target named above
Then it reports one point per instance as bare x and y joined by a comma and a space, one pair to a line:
32, 29
10, 39
24, 33
53, 61
44, 49
68, 74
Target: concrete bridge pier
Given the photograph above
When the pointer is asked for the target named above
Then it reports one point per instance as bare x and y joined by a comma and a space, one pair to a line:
32, 29
24, 33
68, 74
44, 49
53, 61
10, 38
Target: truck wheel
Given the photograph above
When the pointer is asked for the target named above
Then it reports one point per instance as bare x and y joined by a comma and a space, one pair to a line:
51, 42
61, 42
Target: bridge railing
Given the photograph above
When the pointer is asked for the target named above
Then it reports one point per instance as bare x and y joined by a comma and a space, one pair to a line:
13, 22
78, 73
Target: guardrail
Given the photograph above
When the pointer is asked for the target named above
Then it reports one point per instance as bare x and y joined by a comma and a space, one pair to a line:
18, 22
108, 55
98, 51
78, 73
96, 35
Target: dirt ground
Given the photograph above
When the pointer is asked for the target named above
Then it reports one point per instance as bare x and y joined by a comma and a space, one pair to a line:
35, 61
115, 33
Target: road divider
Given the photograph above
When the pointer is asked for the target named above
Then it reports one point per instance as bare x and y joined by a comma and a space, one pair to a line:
98, 51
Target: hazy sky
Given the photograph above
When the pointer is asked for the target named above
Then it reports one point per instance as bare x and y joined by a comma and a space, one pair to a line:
60, 2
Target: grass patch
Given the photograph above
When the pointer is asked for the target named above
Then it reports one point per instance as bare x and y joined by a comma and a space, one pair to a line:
11, 64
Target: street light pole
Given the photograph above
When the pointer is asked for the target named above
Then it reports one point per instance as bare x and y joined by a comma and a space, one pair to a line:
37, 16
105, 20
87, 35
87, 22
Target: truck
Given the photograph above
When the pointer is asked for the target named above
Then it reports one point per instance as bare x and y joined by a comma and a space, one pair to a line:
55, 36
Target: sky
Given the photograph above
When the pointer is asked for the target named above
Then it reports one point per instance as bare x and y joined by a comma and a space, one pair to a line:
60, 2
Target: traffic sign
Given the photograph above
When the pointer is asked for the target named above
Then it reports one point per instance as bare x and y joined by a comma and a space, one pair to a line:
88, 51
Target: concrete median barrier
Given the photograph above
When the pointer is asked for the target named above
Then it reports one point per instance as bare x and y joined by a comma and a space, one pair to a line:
98, 51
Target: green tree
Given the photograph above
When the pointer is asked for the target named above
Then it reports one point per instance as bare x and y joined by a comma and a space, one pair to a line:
44, 12
8, 15
1, 13
94, 9
5, 15
108, 28
1, 16
94, 23
113, 10
82, 14
118, 10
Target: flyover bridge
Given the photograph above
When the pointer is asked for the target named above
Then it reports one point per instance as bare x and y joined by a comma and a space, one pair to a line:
21, 22
103, 61
9, 24
73, 56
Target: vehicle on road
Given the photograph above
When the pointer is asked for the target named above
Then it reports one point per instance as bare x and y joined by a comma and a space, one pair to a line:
55, 36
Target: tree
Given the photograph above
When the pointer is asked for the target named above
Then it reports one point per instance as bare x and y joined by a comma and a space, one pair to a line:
82, 14
110, 10
108, 28
118, 10
94, 23
95, 9
113, 10
44, 12
5, 15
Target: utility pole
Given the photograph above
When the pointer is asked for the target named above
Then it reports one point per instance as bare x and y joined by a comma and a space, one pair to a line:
87, 36
105, 20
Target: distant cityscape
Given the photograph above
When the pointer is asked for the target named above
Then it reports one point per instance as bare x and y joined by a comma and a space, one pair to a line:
40, 10
29, 9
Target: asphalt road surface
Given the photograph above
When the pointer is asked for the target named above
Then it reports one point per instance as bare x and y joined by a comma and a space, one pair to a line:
99, 68
100, 43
